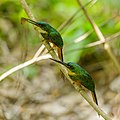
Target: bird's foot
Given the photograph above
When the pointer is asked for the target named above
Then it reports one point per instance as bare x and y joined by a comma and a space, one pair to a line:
51, 49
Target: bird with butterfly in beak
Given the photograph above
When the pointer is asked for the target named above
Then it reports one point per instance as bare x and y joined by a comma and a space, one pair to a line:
51, 34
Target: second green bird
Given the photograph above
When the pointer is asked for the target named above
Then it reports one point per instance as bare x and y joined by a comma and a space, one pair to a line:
51, 34
80, 76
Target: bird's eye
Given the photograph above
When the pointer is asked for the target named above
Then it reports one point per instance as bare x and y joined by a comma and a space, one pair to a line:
70, 66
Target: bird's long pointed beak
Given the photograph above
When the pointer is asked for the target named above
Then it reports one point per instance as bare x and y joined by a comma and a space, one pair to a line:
30, 21
63, 63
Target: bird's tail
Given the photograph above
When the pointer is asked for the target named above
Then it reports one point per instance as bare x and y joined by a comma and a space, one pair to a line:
94, 97
60, 54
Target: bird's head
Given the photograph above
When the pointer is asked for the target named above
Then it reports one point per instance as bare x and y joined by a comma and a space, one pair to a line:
72, 68
41, 24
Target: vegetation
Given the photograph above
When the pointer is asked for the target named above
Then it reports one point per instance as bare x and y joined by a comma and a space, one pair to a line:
91, 39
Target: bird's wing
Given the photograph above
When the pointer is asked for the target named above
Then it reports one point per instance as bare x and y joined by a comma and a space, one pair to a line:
56, 39
87, 81
45, 35
60, 53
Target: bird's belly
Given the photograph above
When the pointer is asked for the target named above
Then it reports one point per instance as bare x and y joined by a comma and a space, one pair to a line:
74, 77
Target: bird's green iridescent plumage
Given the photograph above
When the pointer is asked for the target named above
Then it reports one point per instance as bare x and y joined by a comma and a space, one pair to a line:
81, 76
51, 34
54, 36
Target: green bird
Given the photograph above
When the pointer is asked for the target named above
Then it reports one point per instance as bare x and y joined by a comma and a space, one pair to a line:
80, 76
51, 34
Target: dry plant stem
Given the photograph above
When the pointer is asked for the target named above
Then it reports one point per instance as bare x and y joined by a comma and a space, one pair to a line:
98, 42
85, 35
71, 18
100, 36
100, 112
14, 69
39, 51
82, 37
47, 45
95, 27
67, 21
113, 36
26, 9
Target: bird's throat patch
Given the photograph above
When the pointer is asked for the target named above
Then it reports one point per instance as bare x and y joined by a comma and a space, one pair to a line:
70, 72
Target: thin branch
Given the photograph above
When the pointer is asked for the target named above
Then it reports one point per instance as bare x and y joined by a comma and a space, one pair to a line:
69, 22
82, 37
72, 17
16, 68
85, 35
111, 37
97, 108
93, 24
100, 36
27, 10
39, 51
